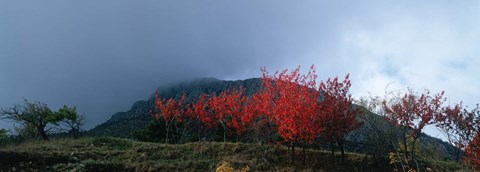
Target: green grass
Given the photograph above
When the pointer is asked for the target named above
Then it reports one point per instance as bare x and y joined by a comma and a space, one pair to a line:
115, 154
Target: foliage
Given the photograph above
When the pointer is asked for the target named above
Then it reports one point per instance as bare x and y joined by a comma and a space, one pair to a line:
412, 112
254, 122
229, 110
154, 132
71, 120
339, 115
34, 116
288, 102
35, 120
4, 138
459, 126
473, 152
171, 111
291, 103
122, 124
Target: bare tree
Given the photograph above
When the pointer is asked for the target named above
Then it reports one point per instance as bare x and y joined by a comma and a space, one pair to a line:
377, 133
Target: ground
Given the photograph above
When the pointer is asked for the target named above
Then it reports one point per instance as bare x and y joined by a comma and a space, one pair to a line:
115, 154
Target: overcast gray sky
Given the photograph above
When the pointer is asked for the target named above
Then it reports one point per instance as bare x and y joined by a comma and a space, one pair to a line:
103, 55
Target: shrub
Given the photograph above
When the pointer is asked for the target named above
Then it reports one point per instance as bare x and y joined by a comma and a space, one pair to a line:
4, 139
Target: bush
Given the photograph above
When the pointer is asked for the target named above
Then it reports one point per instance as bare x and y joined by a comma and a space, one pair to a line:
4, 139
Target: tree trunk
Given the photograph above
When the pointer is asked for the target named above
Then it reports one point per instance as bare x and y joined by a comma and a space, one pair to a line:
168, 126
405, 143
304, 155
413, 149
205, 135
416, 164
293, 152
184, 133
75, 133
340, 145
457, 158
166, 138
41, 131
199, 132
174, 136
395, 147
177, 139
333, 154
224, 132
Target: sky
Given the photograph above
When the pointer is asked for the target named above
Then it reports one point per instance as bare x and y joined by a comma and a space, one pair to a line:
104, 55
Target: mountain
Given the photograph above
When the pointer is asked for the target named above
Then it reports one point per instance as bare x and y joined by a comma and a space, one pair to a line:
123, 124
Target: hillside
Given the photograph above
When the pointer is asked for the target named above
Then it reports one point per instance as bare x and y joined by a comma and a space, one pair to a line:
124, 124
116, 154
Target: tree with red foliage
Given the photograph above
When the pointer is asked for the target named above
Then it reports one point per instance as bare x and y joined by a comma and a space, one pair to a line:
199, 111
236, 102
455, 125
472, 152
171, 111
217, 107
412, 113
255, 118
339, 116
292, 105
468, 124
228, 109
464, 127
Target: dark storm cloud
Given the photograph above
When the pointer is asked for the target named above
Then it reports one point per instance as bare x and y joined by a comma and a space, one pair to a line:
103, 55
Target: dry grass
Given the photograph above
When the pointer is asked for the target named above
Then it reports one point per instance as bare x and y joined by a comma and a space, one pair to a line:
114, 154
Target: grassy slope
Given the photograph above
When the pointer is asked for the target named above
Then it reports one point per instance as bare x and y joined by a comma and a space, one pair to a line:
114, 154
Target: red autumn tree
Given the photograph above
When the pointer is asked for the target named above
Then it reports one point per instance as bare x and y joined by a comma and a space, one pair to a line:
218, 107
472, 152
255, 118
236, 102
228, 108
199, 110
460, 126
293, 105
339, 115
171, 111
453, 124
412, 113
468, 124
